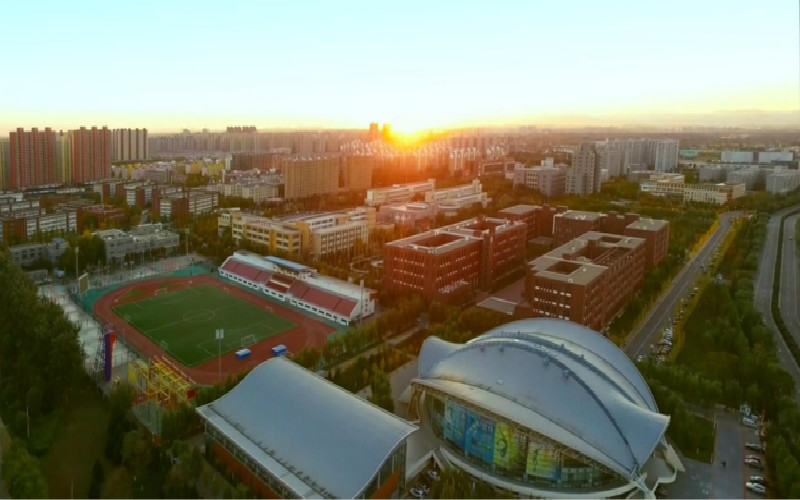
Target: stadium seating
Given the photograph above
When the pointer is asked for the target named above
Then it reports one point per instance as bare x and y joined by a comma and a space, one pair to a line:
311, 296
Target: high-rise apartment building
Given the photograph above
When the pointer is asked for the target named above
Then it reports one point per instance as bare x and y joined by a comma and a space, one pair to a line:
5, 164
32, 158
63, 158
91, 154
583, 177
664, 154
306, 177
129, 144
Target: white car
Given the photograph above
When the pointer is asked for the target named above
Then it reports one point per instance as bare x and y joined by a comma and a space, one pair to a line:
755, 487
417, 492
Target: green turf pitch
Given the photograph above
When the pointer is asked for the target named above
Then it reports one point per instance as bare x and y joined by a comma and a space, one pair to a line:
183, 322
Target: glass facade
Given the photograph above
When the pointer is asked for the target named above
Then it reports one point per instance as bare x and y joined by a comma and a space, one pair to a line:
509, 451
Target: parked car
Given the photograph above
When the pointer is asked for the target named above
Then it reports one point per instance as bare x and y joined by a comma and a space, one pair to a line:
424, 487
749, 422
758, 479
433, 475
640, 358
753, 446
753, 462
417, 492
755, 487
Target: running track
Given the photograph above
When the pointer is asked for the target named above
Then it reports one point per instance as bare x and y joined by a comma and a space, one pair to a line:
308, 332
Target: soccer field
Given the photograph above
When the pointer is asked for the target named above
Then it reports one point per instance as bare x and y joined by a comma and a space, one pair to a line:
183, 322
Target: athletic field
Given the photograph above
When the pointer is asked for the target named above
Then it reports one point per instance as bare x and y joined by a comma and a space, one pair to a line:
183, 322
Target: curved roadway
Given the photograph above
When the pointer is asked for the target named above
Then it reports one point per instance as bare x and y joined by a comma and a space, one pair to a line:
788, 289
647, 331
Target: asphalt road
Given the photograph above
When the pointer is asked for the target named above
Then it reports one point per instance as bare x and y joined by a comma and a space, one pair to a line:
647, 331
789, 282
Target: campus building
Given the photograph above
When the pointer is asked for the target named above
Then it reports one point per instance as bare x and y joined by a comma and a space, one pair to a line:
447, 264
316, 234
462, 196
538, 220
570, 224
550, 181
543, 408
588, 280
289, 433
143, 238
399, 193
301, 286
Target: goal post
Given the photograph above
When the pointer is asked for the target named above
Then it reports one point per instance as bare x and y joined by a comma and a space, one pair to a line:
248, 340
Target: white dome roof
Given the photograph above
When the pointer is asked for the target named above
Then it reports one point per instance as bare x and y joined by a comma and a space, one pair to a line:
559, 379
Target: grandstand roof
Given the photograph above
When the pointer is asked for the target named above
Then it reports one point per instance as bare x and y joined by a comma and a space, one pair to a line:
317, 438
559, 379
288, 264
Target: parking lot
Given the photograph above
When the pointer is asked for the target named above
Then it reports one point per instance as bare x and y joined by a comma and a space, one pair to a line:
727, 475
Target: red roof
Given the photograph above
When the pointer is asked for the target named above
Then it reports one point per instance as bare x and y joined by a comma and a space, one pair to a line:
230, 265
299, 290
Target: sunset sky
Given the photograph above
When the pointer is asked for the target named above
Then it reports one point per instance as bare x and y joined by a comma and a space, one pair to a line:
428, 64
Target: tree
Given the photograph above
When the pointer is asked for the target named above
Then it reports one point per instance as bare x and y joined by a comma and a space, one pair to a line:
22, 473
381, 388
137, 450
98, 476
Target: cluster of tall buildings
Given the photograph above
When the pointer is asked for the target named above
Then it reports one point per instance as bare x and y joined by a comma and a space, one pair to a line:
43, 157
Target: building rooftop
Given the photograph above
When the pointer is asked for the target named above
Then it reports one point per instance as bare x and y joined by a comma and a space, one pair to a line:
648, 224
320, 440
519, 209
580, 215
574, 262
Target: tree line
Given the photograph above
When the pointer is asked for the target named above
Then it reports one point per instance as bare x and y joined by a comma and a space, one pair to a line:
41, 360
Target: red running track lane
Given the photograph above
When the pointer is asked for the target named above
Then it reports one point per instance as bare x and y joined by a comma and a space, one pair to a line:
307, 333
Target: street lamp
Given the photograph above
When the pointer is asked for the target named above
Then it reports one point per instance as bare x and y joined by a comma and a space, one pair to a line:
219, 335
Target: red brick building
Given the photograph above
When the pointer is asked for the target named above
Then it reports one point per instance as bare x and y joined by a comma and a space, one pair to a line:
588, 280
33, 158
573, 223
103, 215
538, 220
91, 154
449, 263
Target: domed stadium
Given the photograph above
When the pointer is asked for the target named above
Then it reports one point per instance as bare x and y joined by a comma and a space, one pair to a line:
543, 408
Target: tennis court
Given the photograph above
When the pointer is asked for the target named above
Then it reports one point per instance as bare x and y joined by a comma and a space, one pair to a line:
183, 323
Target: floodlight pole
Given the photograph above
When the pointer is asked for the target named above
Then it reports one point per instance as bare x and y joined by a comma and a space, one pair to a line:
220, 334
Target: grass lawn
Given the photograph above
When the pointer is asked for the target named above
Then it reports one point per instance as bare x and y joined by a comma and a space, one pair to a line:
183, 322
79, 441
704, 451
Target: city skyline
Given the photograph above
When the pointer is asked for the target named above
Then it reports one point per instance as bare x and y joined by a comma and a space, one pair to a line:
325, 65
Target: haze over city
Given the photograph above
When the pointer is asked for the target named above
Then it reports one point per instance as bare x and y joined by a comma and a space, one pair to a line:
417, 65
403, 250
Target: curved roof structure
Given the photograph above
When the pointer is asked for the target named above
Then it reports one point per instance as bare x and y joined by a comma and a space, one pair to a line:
320, 440
559, 379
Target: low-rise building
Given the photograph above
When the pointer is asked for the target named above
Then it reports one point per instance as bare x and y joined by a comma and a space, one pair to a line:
143, 238
316, 234
548, 180
538, 220
185, 204
398, 193
572, 224
587, 280
461, 196
447, 264
415, 214
30, 253
718, 194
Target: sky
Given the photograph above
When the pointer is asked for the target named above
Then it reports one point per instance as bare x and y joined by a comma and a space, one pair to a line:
416, 64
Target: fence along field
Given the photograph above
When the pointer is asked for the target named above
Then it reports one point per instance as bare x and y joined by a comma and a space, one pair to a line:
183, 322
